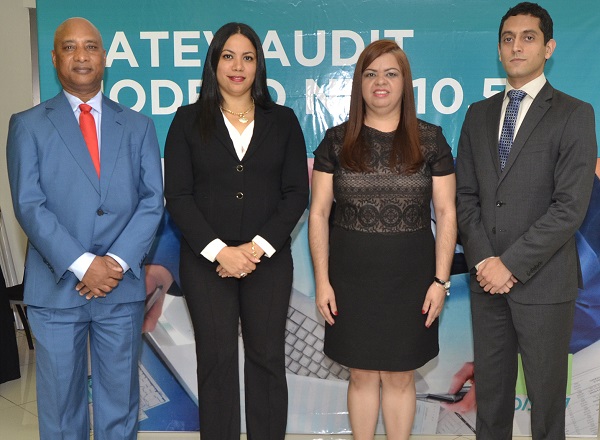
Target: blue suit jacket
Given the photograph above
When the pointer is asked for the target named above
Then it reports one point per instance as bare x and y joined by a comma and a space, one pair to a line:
64, 208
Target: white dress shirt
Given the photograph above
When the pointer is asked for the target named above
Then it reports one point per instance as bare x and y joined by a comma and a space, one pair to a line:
532, 88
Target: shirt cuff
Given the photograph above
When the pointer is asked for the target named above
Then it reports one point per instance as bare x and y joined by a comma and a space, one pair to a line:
119, 260
479, 264
264, 245
80, 266
212, 249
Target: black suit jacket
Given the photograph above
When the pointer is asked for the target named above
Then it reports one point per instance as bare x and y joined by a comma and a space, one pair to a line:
529, 213
212, 194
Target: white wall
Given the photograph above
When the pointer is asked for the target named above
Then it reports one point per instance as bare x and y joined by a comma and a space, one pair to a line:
17, 95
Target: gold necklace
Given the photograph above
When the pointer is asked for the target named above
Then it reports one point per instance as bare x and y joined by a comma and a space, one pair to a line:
242, 116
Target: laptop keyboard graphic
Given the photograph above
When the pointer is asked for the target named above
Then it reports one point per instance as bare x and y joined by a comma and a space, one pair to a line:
304, 348
151, 395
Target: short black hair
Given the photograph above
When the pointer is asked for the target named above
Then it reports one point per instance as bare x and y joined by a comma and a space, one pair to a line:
535, 10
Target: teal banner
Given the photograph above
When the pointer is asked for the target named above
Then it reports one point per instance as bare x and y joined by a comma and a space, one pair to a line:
156, 52
155, 55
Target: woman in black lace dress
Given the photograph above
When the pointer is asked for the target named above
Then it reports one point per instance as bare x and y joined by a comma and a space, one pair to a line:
381, 275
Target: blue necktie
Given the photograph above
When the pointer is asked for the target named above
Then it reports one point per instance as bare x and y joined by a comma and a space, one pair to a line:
508, 127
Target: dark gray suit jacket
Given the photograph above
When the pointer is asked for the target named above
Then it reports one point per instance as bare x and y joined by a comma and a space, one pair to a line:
528, 214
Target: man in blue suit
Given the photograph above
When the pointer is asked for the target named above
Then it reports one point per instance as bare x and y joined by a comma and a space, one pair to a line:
90, 227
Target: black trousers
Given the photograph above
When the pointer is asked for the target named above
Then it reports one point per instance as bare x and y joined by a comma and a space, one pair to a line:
541, 334
260, 301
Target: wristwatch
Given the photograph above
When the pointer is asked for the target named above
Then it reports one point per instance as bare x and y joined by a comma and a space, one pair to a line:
445, 284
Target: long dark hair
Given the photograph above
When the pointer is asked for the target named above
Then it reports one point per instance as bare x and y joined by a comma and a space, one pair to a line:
210, 98
406, 154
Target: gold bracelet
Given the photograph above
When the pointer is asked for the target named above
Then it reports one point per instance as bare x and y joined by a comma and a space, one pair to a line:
254, 250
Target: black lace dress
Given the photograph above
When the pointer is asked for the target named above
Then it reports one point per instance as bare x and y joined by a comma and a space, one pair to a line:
382, 253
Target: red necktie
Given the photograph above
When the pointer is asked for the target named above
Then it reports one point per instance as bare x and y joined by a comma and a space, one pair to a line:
88, 128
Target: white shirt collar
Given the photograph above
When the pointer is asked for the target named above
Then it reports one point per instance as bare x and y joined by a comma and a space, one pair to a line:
95, 102
532, 88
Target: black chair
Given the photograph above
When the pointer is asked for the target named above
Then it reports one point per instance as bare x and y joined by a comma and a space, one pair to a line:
9, 352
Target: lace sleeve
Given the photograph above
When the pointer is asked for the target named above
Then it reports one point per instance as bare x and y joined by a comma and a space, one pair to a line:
441, 161
325, 157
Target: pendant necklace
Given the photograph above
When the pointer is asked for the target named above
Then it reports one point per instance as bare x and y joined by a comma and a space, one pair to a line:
241, 116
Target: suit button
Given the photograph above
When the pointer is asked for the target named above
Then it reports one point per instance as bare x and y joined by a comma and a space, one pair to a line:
499, 203
100, 212
494, 230
239, 196
239, 168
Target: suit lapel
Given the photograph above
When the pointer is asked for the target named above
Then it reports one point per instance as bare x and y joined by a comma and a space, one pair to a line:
113, 122
62, 117
492, 124
262, 124
222, 135
538, 109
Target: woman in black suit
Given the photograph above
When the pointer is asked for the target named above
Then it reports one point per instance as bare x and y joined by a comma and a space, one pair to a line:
236, 183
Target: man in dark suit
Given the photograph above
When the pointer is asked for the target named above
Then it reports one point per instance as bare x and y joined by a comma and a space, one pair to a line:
525, 169
90, 224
